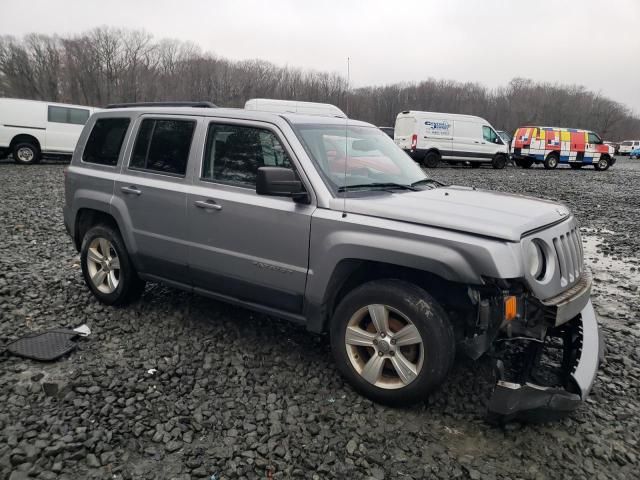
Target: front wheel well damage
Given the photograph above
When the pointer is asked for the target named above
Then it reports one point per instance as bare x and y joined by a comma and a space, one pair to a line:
351, 273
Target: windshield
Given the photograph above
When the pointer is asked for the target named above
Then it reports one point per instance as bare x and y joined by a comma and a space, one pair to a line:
357, 156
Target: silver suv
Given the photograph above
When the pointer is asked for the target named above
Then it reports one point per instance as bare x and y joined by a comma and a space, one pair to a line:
325, 222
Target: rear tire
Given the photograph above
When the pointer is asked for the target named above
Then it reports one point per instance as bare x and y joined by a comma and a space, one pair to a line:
25, 153
431, 159
551, 162
499, 162
107, 268
603, 164
377, 365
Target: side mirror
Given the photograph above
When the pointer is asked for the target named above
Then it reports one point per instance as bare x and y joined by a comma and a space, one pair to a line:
280, 182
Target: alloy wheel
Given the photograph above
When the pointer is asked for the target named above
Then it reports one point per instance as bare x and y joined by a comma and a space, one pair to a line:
103, 265
384, 346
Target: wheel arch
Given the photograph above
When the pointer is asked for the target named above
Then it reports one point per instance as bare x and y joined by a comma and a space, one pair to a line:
26, 138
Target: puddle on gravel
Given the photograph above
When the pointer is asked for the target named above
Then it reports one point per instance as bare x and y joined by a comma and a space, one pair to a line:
616, 281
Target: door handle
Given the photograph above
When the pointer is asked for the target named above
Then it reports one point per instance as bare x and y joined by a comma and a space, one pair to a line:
131, 189
208, 204
475, 141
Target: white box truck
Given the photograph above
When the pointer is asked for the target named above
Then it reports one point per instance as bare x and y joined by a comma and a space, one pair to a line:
294, 106
429, 137
30, 128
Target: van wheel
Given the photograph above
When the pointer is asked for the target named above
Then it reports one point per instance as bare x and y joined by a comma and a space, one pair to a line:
431, 159
499, 162
603, 164
392, 341
551, 161
576, 166
26, 153
106, 267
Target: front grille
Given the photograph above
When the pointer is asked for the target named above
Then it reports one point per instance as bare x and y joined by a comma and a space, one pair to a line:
568, 247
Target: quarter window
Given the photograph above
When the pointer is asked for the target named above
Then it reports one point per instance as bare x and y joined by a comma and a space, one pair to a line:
75, 116
234, 153
163, 146
105, 141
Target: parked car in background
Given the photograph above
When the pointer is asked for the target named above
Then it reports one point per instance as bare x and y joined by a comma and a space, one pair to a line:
628, 145
294, 106
553, 146
30, 128
635, 153
615, 145
429, 137
398, 269
388, 130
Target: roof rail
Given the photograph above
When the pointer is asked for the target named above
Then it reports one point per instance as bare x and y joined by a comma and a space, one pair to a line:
163, 104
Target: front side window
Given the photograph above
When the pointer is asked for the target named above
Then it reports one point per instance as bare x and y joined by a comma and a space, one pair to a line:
489, 134
353, 157
234, 153
105, 141
75, 116
163, 146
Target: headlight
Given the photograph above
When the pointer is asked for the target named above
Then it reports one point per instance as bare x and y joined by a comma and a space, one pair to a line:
535, 260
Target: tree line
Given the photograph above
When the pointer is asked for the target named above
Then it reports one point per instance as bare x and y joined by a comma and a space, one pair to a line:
108, 65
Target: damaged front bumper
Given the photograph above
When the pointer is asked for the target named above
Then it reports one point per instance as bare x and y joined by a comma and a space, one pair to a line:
579, 350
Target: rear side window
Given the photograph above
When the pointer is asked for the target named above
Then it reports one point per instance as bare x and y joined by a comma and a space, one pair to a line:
75, 116
105, 141
234, 153
163, 146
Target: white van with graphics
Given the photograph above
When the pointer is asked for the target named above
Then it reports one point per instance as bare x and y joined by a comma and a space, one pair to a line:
30, 128
429, 137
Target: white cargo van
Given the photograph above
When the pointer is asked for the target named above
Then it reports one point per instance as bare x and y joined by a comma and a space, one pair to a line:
294, 106
429, 137
29, 128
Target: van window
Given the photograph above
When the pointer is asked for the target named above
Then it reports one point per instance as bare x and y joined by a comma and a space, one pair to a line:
490, 135
163, 146
593, 138
234, 153
105, 141
75, 116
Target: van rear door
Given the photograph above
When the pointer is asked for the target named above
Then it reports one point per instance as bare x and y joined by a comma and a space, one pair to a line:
404, 130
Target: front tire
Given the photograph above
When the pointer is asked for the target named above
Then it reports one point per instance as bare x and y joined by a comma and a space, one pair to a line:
25, 153
551, 162
106, 267
603, 164
499, 162
392, 342
431, 159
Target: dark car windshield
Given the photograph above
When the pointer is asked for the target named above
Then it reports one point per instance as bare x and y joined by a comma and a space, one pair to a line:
359, 157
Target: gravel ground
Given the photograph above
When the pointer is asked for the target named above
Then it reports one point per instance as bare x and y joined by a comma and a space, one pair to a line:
239, 395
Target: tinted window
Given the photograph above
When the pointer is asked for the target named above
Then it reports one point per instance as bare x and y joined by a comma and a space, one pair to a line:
76, 116
593, 138
489, 135
233, 153
105, 141
163, 146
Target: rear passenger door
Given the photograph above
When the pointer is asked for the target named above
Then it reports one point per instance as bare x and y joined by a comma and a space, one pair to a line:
151, 190
246, 246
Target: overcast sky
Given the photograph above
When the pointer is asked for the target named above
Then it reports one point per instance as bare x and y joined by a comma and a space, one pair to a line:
595, 43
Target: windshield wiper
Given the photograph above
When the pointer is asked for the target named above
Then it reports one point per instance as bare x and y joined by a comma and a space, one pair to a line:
379, 185
427, 180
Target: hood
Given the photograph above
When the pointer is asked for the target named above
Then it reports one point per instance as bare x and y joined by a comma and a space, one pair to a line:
481, 212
